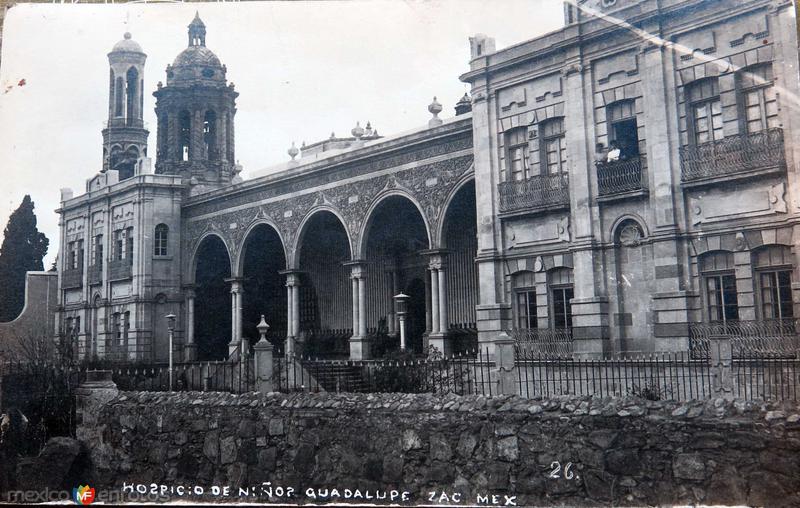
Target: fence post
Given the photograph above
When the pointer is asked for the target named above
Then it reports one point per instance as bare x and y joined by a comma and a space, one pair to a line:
263, 366
505, 365
721, 358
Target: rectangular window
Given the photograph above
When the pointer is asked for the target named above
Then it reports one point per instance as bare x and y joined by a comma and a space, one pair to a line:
758, 98
526, 310
80, 255
97, 251
705, 111
160, 240
517, 153
129, 245
562, 308
119, 244
554, 147
117, 327
776, 294
126, 326
624, 132
723, 303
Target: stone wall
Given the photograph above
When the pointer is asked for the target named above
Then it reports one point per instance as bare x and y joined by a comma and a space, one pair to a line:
464, 450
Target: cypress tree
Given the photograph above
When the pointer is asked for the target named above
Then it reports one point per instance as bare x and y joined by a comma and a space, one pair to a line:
23, 249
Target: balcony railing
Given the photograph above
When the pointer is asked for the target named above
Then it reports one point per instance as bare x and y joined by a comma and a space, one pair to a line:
533, 343
95, 274
125, 122
620, 176
537, 192
72, 278
120, 269
732, 155
768, 336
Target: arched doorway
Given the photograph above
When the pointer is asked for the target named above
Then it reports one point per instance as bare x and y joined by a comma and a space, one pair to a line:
212, 300
264, 290
325, 294
460, 239
394, 238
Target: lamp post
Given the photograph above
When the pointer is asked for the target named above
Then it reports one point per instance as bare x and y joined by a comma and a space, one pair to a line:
402, 302
171, 327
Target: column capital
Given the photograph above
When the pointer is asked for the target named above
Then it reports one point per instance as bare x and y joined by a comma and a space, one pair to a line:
236, 284
292, 277
358, 268
189, 290
437, 258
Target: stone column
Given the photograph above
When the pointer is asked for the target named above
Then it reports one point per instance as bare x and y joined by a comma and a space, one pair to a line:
444, 322
590, 304
292, 312
190, 347
392, 317
359, 343
263, 366
434, 300
236, 314
439, 320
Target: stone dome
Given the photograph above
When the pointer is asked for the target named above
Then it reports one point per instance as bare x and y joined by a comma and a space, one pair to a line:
127, 45
197, 56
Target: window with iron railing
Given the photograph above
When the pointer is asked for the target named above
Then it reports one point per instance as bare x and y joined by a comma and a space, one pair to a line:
773, 268
525, 300
560, 282
705, 111
516, 141
719, 279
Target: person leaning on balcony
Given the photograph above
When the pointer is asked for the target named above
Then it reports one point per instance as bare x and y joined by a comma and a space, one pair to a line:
614, 152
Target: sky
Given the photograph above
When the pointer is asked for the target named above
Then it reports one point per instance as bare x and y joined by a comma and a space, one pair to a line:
302, 69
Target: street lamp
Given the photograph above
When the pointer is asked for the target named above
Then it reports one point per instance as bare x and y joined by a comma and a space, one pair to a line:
402, 302
171, 327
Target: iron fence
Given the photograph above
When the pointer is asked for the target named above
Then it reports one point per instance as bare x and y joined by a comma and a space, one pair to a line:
765, 377
674, 376
539, 191
463, 374
233, 377
624, 175
771, 337
733, 154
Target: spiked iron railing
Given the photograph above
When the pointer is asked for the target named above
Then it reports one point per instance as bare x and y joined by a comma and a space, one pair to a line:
541, 191
620, 176
733, 154
769, 336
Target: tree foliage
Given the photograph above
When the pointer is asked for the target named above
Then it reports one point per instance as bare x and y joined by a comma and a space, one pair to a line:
23, 249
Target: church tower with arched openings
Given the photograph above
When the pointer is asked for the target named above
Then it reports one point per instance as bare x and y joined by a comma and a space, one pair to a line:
125, 135
195, 113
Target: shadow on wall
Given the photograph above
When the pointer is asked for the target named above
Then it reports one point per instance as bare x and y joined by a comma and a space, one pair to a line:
36, 319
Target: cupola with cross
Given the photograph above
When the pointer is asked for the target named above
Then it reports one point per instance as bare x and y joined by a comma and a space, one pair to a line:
195, 113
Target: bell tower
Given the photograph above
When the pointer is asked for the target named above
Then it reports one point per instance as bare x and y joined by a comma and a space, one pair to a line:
195, 113
125, 135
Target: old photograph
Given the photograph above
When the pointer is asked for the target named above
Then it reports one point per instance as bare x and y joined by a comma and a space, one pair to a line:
408, 253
